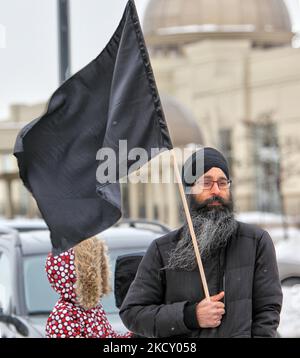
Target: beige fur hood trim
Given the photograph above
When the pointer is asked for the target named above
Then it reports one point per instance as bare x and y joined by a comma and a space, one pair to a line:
92, 272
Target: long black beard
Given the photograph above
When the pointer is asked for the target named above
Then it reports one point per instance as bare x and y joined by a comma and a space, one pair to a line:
213, 225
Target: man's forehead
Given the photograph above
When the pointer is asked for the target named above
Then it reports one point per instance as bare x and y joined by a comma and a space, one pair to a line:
214, 173
222, 176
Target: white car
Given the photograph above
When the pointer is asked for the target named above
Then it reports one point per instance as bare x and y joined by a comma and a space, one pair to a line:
26, 297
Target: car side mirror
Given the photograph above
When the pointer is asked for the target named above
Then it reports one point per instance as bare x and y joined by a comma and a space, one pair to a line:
125, 271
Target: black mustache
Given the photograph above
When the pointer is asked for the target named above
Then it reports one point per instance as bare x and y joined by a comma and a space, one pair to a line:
211, 200
204, 207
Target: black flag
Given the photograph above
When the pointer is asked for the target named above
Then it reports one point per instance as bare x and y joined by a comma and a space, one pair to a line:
113, 98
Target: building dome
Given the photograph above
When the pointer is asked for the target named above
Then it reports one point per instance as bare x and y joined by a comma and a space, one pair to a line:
265, 22
182, 125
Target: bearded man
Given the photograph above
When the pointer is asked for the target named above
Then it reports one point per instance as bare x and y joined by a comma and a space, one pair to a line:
167, 298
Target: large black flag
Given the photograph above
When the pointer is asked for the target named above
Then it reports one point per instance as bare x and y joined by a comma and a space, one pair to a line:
113, 98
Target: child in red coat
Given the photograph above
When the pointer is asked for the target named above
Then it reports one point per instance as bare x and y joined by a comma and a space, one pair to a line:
81, 277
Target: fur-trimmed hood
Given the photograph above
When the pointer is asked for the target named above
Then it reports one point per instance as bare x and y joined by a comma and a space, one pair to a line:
81, 274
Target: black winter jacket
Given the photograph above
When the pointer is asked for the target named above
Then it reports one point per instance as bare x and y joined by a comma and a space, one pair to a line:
246, 270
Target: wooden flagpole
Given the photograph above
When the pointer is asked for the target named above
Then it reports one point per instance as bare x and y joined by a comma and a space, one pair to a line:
191, 227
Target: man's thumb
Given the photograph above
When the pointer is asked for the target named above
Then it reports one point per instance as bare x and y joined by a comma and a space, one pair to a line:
217, 297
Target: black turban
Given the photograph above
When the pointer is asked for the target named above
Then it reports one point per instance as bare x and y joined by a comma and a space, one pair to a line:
201, 162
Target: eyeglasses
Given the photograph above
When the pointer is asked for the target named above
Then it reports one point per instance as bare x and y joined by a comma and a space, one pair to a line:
207, 184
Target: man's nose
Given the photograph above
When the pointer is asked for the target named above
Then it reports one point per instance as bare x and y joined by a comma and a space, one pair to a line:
215, 189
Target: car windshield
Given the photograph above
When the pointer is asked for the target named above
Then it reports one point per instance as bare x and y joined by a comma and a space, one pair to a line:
40, 298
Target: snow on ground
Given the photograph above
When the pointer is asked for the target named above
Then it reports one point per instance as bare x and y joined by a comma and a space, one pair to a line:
289, 250
273, 223
278, 234
263, 218
289, 326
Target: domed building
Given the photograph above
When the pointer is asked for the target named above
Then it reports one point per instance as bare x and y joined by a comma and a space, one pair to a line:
232, 65
177, 22
228, 78
182, 125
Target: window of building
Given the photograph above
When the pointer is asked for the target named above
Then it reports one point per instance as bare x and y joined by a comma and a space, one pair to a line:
225, 140
267, 167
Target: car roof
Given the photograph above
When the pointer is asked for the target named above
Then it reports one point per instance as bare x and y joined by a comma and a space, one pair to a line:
129, 238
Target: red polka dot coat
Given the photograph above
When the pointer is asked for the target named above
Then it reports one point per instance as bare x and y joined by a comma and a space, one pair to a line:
68, 319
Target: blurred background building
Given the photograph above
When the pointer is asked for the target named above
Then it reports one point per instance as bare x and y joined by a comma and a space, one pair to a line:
228, 78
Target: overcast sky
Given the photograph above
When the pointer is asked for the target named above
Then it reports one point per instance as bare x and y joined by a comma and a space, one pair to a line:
28, 43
